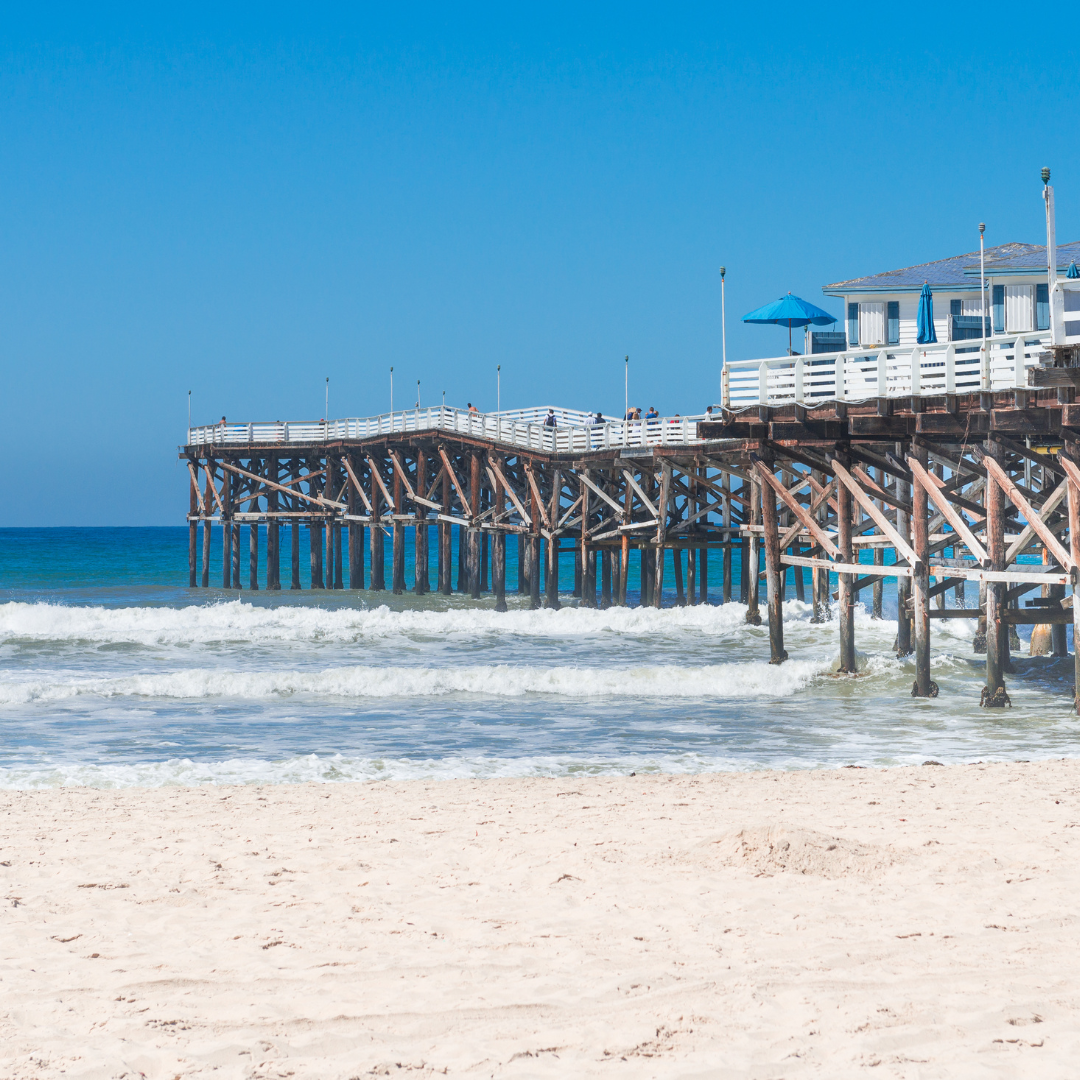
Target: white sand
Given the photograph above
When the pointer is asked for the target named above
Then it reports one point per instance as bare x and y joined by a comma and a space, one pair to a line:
918, 922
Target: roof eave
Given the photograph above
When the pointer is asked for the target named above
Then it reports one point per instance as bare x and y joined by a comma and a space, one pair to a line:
847, 290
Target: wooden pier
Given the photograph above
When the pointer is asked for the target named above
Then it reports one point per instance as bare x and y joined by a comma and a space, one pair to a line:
948, 492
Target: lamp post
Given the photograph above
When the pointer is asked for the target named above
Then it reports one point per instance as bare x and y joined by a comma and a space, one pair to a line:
498, 388
723, 318
1051, 250
418, 393
982, 277
391, 397
189, 413
326, 407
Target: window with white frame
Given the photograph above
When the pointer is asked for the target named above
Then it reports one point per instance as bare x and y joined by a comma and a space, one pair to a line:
871, 324
1019, 308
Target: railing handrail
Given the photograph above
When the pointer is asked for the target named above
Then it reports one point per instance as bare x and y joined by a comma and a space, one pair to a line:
866, 372
574, 430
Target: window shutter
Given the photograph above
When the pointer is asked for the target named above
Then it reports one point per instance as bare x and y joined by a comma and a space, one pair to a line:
956, 307
999, 309
893, 326
852, 325
1042, 307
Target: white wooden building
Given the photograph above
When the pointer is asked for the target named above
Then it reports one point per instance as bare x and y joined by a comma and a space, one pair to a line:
881, 310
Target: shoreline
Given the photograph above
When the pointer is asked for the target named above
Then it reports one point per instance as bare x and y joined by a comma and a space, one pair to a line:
746, 924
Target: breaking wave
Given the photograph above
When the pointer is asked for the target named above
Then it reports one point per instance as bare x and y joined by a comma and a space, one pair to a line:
498, 681
239, 622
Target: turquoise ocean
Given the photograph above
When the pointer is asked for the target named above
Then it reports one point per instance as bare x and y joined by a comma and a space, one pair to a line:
114, 673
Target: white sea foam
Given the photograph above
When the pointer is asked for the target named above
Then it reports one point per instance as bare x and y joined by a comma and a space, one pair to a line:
242, 622
337, 768
747, 680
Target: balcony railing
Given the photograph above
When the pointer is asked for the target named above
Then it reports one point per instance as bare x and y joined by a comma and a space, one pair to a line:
955, 367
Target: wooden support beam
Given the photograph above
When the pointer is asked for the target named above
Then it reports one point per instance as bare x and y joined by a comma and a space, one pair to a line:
931, 485
924, 686
538, 499
640, 491
397, 548
376, 477
473, 534
879, 519
997, 635
802, 515
1070, 459
1032, 517
847, 595
585, 481
773, 566
511, 491
1049, 508
898, 570
281, 487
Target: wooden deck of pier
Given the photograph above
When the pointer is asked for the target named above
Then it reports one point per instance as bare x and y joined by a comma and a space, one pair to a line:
951, 490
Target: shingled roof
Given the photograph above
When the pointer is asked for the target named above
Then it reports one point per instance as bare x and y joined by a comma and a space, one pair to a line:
940, 273
961, 271
1033, 257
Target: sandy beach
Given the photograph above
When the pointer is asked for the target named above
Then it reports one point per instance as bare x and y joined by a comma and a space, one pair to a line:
916, 922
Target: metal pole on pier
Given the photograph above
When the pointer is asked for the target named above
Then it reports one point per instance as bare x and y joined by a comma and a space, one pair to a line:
391, 397
326, 407
1051, 250
982, 280
723, 320
498, 388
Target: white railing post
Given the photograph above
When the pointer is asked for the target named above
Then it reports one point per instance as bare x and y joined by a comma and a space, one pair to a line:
799, 379
839, 388
916, 371
985, 359
763, 383
725, 387
950, 369
883, 373
1019, 367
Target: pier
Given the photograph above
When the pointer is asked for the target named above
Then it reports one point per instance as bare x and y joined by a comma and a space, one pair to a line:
954, 479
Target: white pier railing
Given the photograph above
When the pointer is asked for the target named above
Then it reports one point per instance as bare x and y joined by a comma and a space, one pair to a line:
574, 431
955, 367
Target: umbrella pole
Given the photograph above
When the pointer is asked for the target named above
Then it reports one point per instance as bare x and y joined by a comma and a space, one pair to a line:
789, 337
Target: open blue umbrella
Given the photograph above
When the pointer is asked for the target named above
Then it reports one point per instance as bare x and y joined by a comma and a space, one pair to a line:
925, 322
791, 310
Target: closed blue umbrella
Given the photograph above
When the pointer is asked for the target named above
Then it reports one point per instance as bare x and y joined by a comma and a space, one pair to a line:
790, 311
925, 322
1072, 272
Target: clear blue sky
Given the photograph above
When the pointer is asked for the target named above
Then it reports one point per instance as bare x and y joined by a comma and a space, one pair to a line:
241, 201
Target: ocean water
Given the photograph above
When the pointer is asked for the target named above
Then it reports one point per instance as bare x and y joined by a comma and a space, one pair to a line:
114, 673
